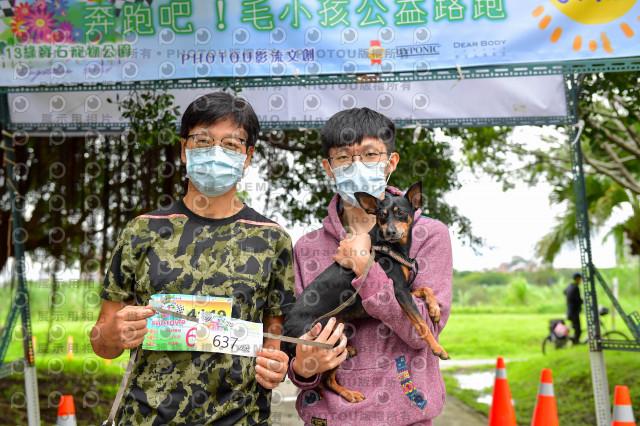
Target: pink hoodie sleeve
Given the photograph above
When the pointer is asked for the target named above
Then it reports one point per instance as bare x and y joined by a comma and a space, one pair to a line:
301, 383
312, 381
435, 271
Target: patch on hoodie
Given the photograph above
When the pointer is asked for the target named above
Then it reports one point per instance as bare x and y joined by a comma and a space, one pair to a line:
407, 385
311, 397
316, 421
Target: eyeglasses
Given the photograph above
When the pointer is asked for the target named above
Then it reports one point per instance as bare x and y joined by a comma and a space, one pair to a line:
232, 143
369, 156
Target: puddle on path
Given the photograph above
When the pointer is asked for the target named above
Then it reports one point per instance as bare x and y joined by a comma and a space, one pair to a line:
479, 381
476, 381
485, 399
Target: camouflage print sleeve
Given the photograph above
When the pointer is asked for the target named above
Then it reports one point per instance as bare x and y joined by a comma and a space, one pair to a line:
120, 277
281, 294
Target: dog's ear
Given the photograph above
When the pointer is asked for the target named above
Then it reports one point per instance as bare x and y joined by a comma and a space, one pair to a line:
368, 202
414, 195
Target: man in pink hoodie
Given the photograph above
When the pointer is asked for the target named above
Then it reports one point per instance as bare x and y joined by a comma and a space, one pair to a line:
394, 368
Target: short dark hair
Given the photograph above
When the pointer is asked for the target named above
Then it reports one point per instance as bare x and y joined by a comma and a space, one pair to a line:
350, 126
577, 275
208, 109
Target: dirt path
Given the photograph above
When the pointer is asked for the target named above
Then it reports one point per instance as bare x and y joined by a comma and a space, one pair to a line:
455, 413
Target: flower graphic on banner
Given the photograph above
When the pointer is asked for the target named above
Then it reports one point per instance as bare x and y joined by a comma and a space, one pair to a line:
64, 33
19, 26
41, 4
594, 13
43, 21
22, 10
40, 24
58, 6
76, 34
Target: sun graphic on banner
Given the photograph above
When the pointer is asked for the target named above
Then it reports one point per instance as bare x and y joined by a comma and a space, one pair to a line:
589, 12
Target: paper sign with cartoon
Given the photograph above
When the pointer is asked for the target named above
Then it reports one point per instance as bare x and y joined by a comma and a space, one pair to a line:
169, 333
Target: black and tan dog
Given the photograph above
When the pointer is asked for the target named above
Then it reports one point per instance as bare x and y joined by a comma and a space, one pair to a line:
390, 238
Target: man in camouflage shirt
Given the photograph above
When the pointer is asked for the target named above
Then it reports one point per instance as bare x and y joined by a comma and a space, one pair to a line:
209, 244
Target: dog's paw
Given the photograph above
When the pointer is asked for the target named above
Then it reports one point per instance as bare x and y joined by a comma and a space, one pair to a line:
434, 312
441, 353
352, 351
352, 396
426, 294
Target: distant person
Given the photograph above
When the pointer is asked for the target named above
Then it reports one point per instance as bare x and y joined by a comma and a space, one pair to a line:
574, 305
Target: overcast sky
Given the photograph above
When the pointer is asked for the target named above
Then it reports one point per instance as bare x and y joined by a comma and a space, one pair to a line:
512, 222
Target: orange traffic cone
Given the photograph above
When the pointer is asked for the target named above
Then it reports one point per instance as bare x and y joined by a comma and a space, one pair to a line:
622, 410
545, 413
502, 413
66, 411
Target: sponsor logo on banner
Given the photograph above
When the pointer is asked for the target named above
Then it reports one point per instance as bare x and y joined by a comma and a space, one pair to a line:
375, 52
431, 49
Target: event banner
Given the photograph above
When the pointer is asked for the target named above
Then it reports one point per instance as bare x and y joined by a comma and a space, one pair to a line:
425, 102
70, 41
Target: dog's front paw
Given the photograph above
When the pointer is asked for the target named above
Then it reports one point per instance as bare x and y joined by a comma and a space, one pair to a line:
352, 396
441, 353
352, 351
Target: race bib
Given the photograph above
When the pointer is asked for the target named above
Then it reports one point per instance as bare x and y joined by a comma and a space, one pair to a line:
216, 333
169, 333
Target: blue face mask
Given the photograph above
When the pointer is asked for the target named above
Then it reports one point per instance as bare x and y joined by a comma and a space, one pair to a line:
357, 177
214, 170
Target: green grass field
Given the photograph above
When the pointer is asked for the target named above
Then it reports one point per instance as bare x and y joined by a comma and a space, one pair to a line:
475, 336
572, 384
519, 337
482, 335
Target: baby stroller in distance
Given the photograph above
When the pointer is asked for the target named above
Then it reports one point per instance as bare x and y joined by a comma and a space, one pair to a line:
559, 333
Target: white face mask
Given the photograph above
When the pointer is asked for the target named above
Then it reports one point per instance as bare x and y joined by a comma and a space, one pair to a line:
357, 177
214, 170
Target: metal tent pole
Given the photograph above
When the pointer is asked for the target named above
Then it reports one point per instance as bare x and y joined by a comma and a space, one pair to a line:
598, 367
21, 302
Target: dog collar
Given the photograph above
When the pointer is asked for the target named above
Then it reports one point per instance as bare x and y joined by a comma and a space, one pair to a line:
408, 262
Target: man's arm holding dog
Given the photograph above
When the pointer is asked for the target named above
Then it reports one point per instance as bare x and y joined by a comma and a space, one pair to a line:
378, 297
